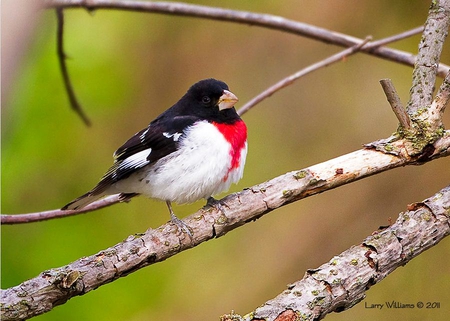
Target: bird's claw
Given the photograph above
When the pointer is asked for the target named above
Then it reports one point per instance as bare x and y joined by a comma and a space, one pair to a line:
183, 227
218, 204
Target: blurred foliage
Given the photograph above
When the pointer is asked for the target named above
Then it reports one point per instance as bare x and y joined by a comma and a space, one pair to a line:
129, 67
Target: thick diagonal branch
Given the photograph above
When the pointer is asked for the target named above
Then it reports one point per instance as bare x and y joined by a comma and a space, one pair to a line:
56, 286
342, 282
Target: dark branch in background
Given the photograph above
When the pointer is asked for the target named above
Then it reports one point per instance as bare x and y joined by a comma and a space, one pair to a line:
250, 18
62, 63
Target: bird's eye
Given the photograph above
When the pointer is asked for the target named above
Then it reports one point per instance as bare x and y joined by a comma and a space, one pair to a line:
206, 100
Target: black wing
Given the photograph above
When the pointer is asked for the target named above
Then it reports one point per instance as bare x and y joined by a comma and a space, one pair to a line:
158, 140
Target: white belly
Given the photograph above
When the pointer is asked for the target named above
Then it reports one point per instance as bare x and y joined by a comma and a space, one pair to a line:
203, 170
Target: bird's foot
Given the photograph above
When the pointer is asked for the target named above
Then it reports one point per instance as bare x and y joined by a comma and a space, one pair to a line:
218, 204
182, 226
210, 201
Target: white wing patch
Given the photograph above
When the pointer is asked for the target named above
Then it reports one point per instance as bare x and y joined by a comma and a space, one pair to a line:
135, 161
175, 136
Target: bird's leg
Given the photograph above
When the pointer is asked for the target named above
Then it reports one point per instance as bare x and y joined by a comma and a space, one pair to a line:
181, 225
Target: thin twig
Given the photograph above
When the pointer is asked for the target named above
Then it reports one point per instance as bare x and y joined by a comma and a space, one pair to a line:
47, 215
394, 38
395, 102
62, 63
335, 58
245, 17
292, 78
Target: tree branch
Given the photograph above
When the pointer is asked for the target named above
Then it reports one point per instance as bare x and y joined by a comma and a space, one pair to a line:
395, 38
342, 282
250, 18
424, 112
56, 286
58, 213
430, 49
322, 177
326, 62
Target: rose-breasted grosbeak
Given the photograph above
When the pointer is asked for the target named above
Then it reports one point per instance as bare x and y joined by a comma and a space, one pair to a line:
193, 150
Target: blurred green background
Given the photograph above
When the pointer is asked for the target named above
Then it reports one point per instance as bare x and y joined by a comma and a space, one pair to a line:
129, 67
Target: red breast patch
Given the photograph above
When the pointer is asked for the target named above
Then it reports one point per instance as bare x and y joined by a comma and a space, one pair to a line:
236, 135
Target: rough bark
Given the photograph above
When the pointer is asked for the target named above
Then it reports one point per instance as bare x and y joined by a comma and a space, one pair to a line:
342, 282
56, 286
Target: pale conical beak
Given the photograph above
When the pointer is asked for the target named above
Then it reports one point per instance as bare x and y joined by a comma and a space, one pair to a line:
227, 100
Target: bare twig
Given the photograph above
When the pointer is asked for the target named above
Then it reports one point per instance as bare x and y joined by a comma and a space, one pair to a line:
395, 102
326, 62
65, 73
254, 19
48, 215
394, 38
292, 78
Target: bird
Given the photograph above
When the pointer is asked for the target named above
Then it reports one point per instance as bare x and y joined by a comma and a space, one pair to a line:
194, 150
